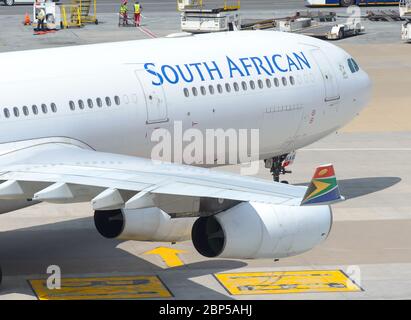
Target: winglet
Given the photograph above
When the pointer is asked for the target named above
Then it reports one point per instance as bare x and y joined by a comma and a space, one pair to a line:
323, 188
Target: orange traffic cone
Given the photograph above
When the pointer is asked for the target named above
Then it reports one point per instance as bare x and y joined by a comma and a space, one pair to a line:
27, 20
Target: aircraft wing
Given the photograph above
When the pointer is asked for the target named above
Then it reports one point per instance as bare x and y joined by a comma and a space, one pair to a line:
65, 173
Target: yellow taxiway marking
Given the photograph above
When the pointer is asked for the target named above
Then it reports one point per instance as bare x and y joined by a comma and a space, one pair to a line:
169, 256
286, 282
134, 287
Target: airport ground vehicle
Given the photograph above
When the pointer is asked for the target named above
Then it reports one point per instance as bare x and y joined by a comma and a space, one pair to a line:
13, 2
405, 12
346, 3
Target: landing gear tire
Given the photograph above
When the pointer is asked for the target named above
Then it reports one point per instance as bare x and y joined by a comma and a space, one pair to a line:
347, 3
9, 3
276, 167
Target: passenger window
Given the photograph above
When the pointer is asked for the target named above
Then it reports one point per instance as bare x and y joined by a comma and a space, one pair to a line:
6, 113
35, 110
292, 81
99, 102
236, 86
252, 84
81, 104
244, 85
44, 108
284, 81
117, 100
186, 92
203, 90
16, 111
71, 104
195, 92
227, 87
219, 88
211, 89
268, 83
276, 82
25, 111
53, 107
260, 84
108, 101
90, 103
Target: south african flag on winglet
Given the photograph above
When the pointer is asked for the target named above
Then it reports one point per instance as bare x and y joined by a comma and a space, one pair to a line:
323, 188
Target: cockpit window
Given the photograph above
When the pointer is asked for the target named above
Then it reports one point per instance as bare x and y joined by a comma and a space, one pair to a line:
353, 65
357, 68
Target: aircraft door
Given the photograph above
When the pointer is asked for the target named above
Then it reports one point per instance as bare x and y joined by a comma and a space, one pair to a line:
330, 80
155, 98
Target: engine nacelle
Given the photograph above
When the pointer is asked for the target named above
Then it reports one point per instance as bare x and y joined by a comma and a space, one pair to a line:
151, 224
257, 230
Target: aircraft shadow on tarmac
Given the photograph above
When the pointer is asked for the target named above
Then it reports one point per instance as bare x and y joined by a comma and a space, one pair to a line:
77, 248
358, 187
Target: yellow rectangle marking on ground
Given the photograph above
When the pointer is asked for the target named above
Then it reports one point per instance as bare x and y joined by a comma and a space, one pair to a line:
134, 287
282, 282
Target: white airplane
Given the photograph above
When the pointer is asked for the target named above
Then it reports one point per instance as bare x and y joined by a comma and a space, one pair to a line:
76, 126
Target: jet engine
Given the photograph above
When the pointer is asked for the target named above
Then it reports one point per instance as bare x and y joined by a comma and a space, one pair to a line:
151, 224
257, 230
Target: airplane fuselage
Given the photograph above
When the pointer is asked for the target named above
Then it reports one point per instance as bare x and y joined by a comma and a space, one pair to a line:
111, 97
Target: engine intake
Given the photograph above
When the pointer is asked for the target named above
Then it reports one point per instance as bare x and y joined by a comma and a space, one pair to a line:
151, 224
257, 230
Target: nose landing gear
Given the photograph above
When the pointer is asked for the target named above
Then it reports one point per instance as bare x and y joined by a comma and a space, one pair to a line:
278, 165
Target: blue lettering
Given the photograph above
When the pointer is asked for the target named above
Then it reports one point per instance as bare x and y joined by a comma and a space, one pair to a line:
276, 64
269, 63
197, 66
215, 69
302, 59
163, 70
233, 67
291, 63
260, 65
191, 79
160, 78
246, 66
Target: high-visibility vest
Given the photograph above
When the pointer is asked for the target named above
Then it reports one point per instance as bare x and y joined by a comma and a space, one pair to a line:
41, 14
123, 8
137, 8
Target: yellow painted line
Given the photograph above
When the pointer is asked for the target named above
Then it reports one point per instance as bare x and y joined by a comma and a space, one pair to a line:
282, 282
135, 287
169, 256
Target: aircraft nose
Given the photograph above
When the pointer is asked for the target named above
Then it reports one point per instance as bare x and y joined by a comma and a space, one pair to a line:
364, 88
366, 81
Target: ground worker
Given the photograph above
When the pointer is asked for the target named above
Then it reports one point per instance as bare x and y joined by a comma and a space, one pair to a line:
137, 13
41, 16
124, 12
